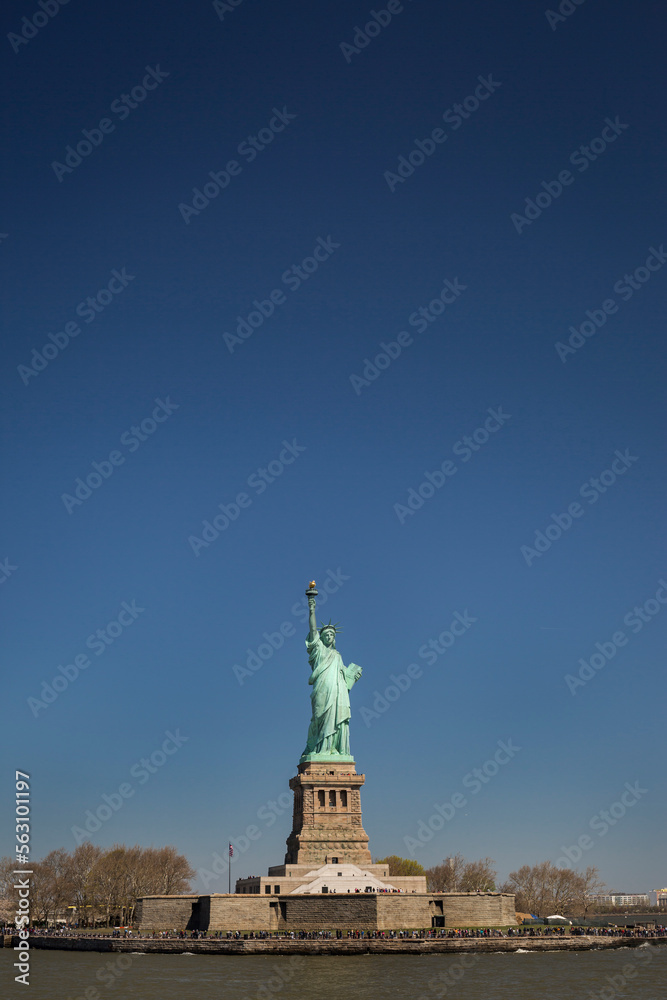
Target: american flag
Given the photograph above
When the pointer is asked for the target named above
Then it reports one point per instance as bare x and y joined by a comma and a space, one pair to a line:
231, 851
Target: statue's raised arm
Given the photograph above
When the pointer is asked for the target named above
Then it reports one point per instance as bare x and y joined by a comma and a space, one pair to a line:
331, 680
311, 594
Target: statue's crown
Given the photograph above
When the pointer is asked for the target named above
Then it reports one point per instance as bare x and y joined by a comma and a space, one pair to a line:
335, 627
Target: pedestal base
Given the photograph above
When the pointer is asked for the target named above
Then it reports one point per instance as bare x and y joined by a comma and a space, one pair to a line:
327, 825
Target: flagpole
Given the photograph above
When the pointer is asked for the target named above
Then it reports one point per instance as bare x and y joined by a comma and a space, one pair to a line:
229, 869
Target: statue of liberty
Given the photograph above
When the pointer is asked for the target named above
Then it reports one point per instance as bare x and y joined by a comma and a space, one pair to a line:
331, 680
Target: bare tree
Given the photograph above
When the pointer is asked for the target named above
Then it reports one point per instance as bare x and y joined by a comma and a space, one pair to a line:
81, 865
591, 883
172, 871
529, 885
455, 874
123, 874
50, 887
545, 889
136, 878
91, 880
41, 907
7, 877
107, 880
446, 877
564, 889
8, 898
478, 875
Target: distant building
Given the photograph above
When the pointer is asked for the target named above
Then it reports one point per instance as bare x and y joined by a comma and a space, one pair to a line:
623, 898
658, 897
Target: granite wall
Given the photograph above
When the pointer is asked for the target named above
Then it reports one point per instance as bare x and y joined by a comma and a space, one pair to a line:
362, 911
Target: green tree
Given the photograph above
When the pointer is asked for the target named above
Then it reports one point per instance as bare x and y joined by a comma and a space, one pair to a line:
401, 866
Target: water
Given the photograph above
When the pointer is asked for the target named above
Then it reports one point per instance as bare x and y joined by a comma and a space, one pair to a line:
637, 973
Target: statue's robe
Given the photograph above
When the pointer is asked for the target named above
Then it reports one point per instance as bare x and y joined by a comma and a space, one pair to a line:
331, 681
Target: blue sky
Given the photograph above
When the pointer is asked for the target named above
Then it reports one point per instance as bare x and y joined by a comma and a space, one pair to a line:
500, 173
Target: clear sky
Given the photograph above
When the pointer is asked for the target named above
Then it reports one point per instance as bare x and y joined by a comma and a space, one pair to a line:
217, 217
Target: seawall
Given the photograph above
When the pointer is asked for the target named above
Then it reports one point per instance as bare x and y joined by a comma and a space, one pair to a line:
344, 946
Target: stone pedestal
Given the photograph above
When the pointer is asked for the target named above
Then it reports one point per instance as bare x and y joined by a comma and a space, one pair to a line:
326, 827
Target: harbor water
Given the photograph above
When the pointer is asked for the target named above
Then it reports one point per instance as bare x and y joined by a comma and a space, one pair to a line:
614, 974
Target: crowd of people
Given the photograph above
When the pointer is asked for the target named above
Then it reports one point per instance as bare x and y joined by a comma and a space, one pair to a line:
658, 931
409, 935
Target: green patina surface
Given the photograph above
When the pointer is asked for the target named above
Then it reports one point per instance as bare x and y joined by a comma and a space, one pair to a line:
329, 731
327, 758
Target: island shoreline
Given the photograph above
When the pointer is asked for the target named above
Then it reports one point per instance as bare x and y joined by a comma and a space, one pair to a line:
344, 946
